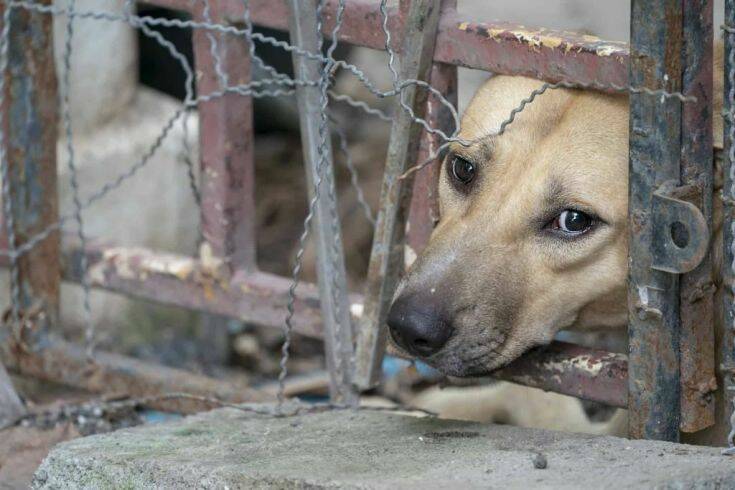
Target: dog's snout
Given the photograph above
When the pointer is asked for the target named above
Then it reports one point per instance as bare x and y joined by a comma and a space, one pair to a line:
416, 325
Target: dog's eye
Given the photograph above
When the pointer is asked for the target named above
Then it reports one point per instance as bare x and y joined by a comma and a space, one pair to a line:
572, 222
462, 170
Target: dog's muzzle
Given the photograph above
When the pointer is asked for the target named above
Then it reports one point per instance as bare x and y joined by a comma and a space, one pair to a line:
416, 325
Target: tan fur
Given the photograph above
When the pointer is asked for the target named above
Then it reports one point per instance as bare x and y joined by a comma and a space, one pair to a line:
507, 403
509, 282
508, 285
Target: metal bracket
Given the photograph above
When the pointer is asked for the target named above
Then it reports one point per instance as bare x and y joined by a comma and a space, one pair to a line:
680, 235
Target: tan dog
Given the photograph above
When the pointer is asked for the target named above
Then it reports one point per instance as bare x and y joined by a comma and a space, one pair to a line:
533, 231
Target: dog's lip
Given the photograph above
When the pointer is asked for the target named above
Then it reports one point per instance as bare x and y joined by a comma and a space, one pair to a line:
529, 350
395, 351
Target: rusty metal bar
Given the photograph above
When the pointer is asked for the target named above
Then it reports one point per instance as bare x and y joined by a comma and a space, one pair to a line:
498, 47
697, 342
226, 140
28, 121
260, 298
424, 211
66, 363
226, 147
560, 367
572, 370
386, 256
727, 347
335, 305
30, 128
655, 125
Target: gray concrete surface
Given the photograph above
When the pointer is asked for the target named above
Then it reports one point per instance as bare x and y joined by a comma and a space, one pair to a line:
230, 449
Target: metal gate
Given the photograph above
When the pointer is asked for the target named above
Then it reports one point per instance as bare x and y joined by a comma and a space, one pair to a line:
667, 381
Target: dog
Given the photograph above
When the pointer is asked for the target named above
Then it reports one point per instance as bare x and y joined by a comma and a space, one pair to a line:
533, 230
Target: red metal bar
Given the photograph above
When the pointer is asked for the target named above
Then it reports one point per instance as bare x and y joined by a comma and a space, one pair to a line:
226, 147
28, 118
697, 342
424, 212
257, 297
260, 298
499, 47
565, 368
29, 121
560, 367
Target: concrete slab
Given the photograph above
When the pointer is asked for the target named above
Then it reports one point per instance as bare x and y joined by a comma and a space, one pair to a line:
367, 449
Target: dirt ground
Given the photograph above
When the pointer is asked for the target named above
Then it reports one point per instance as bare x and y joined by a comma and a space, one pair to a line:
22, 450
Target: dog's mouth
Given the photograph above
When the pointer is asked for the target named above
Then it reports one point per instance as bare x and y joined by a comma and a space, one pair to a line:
456, 361
394, 350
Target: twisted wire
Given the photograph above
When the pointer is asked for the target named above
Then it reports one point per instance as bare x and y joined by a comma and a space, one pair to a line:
64, 93
325, 160
731, 161
350, 166
214, 48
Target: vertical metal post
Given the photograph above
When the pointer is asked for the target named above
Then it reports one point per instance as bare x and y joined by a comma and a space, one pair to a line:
29, 118
697, 343
226, 146
424, 199
330, 257
227, 165
424, 211
386, 257
655, 152
728, 223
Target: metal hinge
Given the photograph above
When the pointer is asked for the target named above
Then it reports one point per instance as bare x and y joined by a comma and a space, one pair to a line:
680, 235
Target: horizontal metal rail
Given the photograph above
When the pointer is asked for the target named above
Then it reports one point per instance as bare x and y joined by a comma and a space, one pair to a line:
498, 47
570, 369
258, 297
117, 375
254, 297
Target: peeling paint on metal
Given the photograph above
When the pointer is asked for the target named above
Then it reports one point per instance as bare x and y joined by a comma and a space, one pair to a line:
119, 259
543, 38
409, 256
592, 366
209, 262
356, 309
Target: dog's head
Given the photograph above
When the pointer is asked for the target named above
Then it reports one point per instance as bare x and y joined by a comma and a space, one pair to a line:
532, 237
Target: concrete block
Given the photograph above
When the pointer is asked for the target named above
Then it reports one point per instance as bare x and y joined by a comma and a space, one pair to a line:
228, 448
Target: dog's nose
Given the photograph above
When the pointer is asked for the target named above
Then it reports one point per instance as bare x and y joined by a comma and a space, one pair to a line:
416, 325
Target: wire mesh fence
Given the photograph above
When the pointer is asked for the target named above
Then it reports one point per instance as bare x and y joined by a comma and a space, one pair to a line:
315, 28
